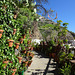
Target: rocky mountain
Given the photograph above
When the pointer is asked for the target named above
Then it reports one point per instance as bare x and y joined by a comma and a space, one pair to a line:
44, 28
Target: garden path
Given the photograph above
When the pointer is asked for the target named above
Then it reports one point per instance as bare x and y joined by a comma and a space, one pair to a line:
42, 65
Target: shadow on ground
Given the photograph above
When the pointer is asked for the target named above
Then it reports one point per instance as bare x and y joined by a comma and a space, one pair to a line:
47, 70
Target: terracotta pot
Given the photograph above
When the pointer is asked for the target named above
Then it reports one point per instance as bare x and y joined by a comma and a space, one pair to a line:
29, 31
21, 40
31, 55
28, 42
17, 45
14, 70
27, 54
5, 62
24, 36
25, 62
1, 31
50, 55
31, 48
14, 31
20, 59
15, 16
29, 64
53, 55
10, 42
24, 51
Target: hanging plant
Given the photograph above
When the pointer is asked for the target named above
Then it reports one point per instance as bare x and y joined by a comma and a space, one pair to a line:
24, 36
20, 59
14, 70
1, 31
14, 31
10, 42
21, 40
5, 62
17, 45
15, 15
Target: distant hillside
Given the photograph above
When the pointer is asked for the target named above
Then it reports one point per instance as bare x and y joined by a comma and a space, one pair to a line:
46, 28
73, 34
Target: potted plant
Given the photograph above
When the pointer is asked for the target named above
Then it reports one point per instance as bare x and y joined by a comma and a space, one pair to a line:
23, 49
15, 15
19, 57
14, 70
14, 31
21, 70
1, 31
24, 36
27, 54
14, 65
5, 60
21, 40
29, 63
29, 41
17, 45
10, 42
25, 63
66, 70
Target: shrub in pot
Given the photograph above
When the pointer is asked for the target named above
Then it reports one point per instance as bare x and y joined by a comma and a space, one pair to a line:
66, 70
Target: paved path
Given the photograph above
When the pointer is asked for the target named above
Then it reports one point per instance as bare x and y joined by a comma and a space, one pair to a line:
41, 66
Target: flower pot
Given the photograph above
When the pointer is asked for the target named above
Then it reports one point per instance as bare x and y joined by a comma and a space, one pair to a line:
29, 63
15, 16
20, 59
24, 51
5, 62
31, 48
1, 31
17, 45
28, 42
10, 42
21, 40
14, 70
14, 31
25, 62
53, 55
27, 54
24, 36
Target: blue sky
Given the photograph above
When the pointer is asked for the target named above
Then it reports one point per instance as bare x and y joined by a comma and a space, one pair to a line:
65, 10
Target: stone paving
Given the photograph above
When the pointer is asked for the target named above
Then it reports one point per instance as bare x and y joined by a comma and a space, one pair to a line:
41, 66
